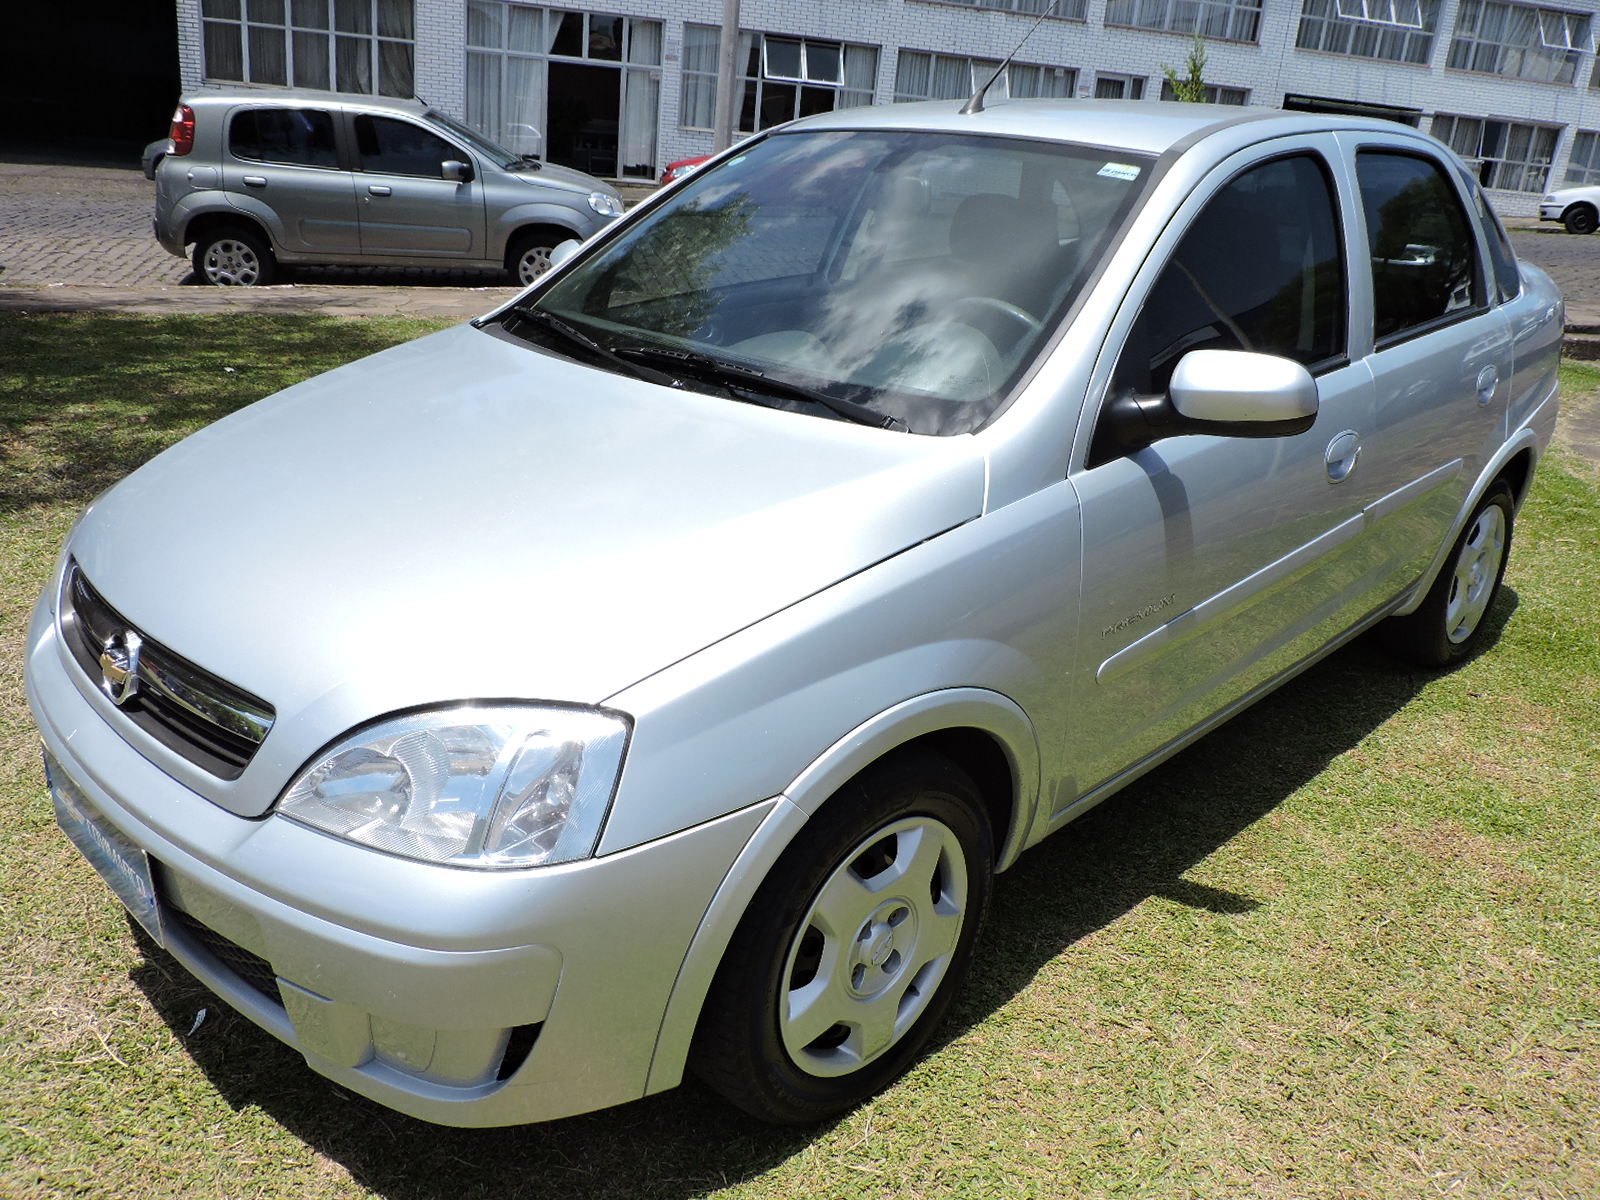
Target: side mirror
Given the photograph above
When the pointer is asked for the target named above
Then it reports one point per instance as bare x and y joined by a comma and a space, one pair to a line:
563, 251
457, 172
1226, 393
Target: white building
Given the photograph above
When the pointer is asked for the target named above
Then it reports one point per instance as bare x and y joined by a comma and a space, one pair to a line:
622, 87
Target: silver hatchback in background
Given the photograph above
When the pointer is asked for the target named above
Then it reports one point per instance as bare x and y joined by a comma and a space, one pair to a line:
256, 178
654, 674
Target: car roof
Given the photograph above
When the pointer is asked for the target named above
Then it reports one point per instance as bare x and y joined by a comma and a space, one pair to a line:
1148, 126
297, 96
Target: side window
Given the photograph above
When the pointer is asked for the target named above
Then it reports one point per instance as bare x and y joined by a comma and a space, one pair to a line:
1508, 280
1423, 254
299, 136
401, 148
1261, 268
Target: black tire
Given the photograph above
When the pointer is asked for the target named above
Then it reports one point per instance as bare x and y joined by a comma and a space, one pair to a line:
1449, 622
529, 255
234, 257
1581, 218
915, 826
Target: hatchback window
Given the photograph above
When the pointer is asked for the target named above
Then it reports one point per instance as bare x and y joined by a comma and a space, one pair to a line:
1260, 269
400, 148
299, 136
1424, 259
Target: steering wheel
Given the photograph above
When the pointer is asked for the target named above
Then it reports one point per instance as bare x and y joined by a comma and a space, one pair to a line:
979, 311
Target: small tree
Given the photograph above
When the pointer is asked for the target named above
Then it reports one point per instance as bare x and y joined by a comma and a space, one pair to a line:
1192, 89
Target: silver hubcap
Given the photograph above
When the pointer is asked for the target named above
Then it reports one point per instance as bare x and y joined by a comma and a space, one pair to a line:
871, 952
1477, 568
534, 262
232, 262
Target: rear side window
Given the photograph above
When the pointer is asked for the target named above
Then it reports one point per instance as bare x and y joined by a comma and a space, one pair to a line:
1508, 279
1260, 269
1420, 245
298, 136
401, 148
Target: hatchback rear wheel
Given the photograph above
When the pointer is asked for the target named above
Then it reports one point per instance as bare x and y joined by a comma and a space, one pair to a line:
234, 258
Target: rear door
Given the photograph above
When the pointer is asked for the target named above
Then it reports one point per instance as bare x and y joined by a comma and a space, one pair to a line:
406, 205
282, 165
1440, 350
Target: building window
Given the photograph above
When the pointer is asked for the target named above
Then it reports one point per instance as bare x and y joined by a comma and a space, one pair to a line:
580, 89
1388, 29
1215, 93
1542, 44
1584, 165
781, 77
1071, 10
1229, 20
1118, 87
365, 46
1510, 157
925, 76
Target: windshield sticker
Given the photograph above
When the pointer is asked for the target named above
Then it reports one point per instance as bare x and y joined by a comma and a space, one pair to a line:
1119, 171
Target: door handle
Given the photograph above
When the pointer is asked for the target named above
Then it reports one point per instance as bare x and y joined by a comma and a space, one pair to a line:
1342, 455
378, 189
1488, 380
255, 181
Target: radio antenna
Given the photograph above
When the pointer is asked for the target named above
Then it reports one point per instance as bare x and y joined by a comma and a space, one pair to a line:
975, 104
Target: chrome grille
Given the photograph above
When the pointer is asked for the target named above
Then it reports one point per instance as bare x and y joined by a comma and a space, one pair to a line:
207, 720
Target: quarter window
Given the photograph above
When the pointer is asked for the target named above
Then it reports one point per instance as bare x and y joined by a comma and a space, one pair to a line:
1260, 269
400, 148
300, 136
1420, 245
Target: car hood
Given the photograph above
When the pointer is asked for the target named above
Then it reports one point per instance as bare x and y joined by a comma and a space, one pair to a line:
467, 517
553, 175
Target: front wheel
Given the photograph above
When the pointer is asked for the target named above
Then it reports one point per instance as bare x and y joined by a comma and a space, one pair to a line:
1580, 218
1446, 626
234, 258
849, 955
529, 256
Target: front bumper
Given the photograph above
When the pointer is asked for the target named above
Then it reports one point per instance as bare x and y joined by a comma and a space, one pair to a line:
457, 996
1551, 212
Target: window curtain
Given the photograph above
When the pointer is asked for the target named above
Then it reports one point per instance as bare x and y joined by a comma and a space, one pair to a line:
698, 109
860, 76
641, 100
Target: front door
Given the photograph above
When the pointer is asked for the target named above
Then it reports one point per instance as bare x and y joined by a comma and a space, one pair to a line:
406, 205
1213, 564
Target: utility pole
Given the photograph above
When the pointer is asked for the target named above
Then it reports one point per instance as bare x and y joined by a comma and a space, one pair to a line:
727, 77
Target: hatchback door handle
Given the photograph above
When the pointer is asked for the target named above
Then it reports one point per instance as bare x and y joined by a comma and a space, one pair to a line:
1342, 454
255, 181
377, 189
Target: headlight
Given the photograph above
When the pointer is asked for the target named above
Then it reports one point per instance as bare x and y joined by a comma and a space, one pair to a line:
487, 787
606, 206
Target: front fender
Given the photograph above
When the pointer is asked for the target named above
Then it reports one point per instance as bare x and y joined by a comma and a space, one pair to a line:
580, 222
951, 708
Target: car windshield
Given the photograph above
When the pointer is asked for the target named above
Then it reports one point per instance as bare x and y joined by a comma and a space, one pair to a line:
915, 275
499, 154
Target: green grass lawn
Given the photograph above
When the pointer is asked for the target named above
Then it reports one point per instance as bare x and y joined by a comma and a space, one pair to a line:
1348, 946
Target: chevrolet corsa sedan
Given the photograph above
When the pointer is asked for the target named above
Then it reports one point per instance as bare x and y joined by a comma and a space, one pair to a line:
654, 674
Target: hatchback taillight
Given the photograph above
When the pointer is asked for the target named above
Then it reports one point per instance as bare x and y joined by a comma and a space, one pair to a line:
182, 130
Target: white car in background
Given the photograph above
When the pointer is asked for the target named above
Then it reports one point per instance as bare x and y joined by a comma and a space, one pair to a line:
1578, 208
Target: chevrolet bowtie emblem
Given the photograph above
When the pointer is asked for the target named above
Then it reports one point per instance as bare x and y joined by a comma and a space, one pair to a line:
119, 666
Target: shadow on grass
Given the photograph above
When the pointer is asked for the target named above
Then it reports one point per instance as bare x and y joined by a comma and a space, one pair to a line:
1137, 845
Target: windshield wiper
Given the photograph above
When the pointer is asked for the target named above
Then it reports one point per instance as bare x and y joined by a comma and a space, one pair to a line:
576, 337
748, 379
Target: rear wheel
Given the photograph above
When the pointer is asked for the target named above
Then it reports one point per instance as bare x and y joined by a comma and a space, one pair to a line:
234, 258
1580, 218
849, 955
1446, 626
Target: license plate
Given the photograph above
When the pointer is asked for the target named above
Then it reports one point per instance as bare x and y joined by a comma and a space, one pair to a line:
124, 867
